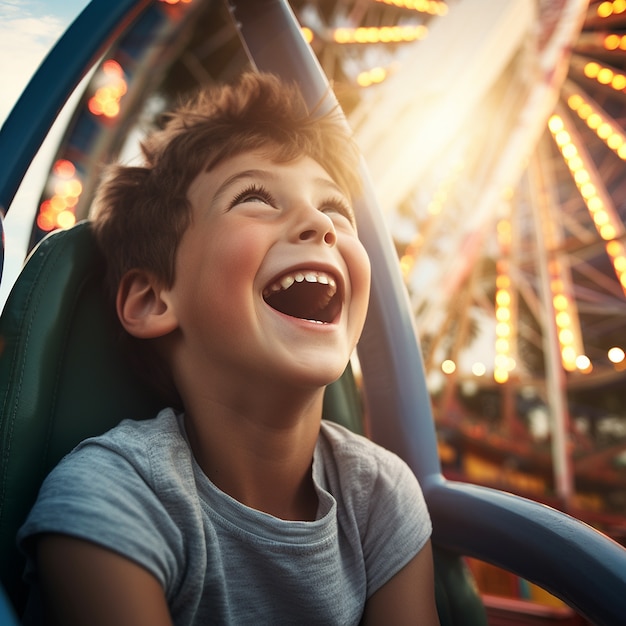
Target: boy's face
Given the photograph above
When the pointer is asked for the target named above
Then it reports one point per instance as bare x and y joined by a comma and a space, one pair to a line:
271, 279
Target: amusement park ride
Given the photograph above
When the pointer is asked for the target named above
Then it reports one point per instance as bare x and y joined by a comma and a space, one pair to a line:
493, 135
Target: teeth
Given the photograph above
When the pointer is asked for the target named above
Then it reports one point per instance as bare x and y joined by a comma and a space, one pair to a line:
309, 276
285, 282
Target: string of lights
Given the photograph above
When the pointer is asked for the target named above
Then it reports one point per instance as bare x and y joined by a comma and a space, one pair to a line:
599, 204
504, 362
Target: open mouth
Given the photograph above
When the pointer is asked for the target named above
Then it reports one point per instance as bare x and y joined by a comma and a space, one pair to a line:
306, 294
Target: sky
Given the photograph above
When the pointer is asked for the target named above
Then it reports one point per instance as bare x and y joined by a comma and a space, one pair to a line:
28, 30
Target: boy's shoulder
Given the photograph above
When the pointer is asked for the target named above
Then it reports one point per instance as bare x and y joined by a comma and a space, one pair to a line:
348, 443
360, 457
372, 486
142, 448
137, 433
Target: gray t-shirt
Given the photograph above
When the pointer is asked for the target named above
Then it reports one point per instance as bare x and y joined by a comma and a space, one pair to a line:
138, 490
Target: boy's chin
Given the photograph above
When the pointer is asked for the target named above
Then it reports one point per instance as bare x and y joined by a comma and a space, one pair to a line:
322, 378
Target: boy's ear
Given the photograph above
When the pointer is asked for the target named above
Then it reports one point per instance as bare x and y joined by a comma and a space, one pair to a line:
143, 306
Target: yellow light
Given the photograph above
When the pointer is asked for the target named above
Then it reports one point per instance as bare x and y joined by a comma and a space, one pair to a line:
584, 111
569, 354
562, 319
555, 124
503, 298
593, 121
406, 263
619, 263
581, 177
616, 355
583, 363
64, 168
503, 282
502, 345
588, 190
307, 33
605, 76
503, 314
478, 369
601, 218
591, 69
502, 362
500, 375
604, 130
363, 79
341, 35
614, 248
575, 101
619, 82
569, 151
566, 337
605, 9
503, 330
111, 109
66, 219
611, 42
106, 99
560, 302
595, 204
448, 366
607, 232
562, 137
575, 163
378, 74
74, 188
615, 141
57, 203
384, 34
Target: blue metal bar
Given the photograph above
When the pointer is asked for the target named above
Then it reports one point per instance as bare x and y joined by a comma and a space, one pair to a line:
571, 560
34, 113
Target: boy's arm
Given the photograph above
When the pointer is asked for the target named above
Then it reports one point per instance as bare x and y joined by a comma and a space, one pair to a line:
83, 583
408, 597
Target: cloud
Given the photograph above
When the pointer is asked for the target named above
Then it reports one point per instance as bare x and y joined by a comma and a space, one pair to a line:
25, 39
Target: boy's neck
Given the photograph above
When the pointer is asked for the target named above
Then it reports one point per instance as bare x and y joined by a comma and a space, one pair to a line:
260, 453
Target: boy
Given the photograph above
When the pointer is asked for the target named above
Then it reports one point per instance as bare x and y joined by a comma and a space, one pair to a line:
238, 274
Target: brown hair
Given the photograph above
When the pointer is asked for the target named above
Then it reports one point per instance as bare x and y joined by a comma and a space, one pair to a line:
141, 212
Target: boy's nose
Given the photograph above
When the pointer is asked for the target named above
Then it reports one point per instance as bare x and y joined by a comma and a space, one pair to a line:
329, 237
317, 227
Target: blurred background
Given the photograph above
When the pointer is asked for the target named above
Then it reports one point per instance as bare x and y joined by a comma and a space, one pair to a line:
494, 134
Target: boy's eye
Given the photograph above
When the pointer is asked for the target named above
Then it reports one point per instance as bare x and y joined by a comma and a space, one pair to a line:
339, 207
253, 193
